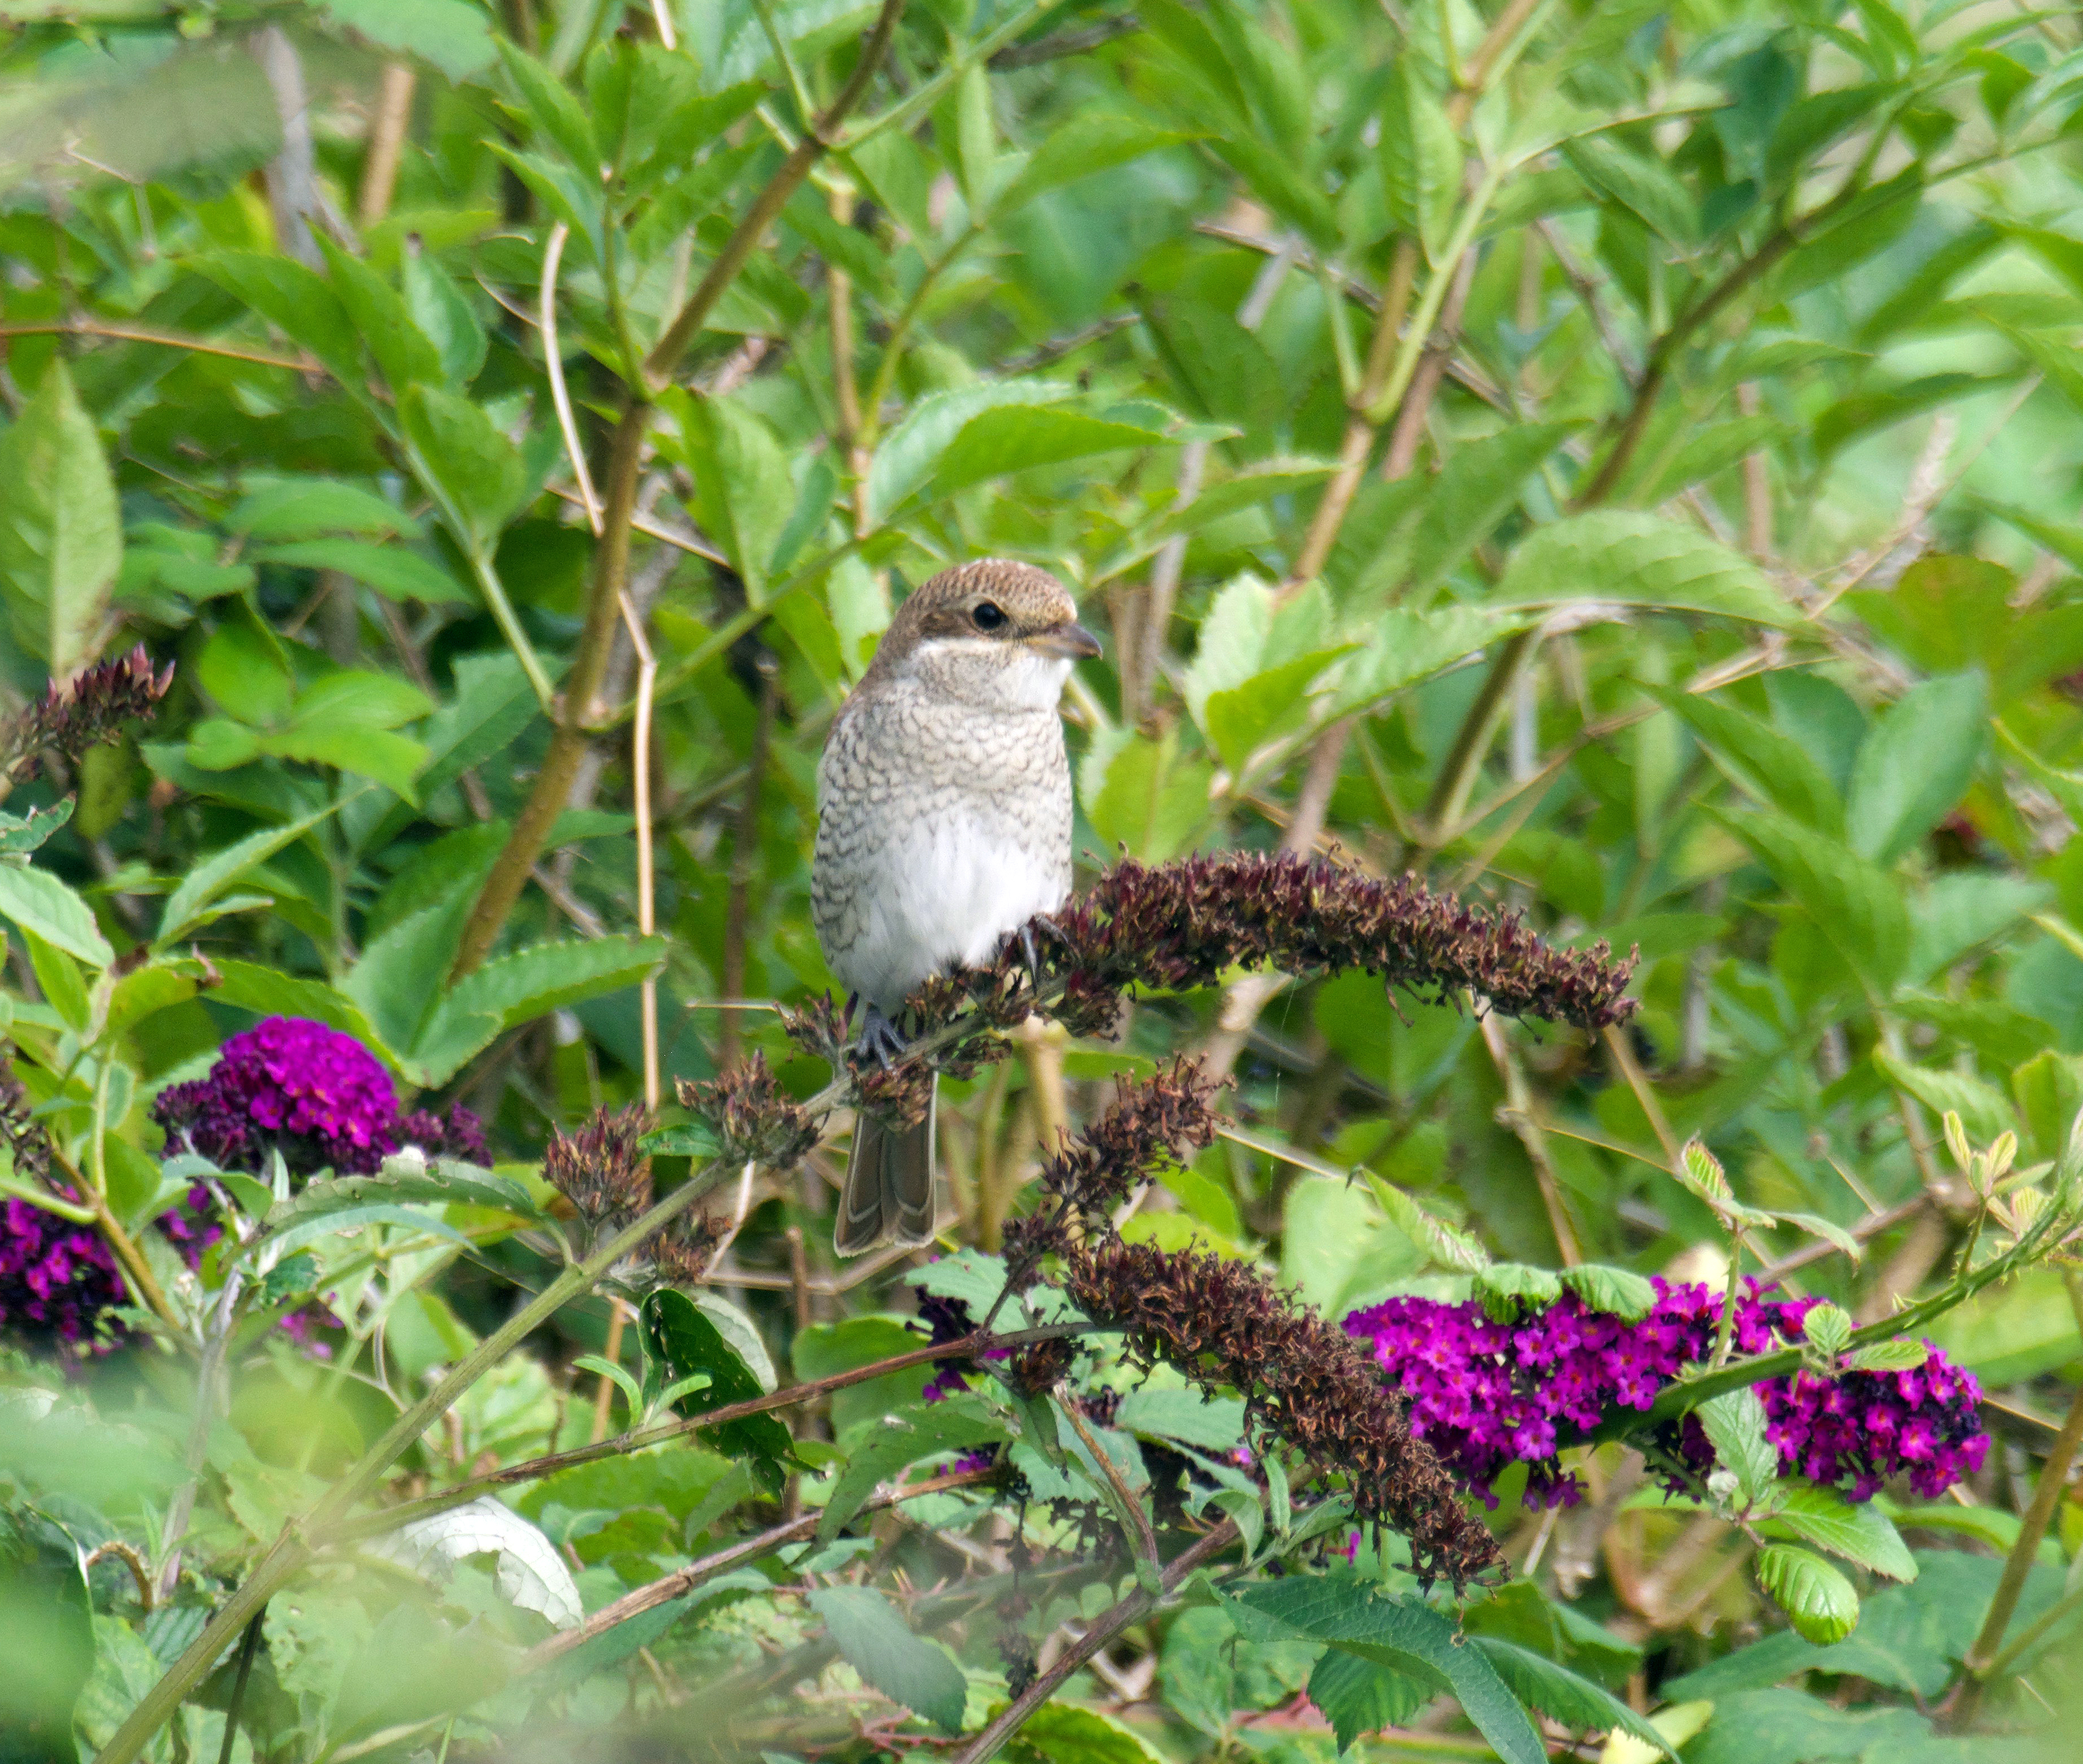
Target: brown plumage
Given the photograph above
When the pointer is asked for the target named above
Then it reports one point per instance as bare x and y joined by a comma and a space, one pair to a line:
943, 802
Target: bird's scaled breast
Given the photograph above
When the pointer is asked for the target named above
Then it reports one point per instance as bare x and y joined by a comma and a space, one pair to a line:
936, 836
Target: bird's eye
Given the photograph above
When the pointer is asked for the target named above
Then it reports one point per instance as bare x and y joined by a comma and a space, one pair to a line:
988, 615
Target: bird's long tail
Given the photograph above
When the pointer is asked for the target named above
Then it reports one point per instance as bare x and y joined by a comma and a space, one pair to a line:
889, 1192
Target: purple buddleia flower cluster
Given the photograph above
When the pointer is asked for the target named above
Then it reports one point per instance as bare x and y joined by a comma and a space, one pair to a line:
1485, 1393
56, 1278
317, 1096
950, 1320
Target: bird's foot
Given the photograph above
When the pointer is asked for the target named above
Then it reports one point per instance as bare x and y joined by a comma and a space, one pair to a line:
1028, 948
881, 1040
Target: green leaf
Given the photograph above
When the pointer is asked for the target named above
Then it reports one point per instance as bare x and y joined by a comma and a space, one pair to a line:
1856, 905
1014, 437
912, 451
681, 1334
210, 879
1402, 1634
1067, 1734
1644, 186
298, 302
1820, 1603
1405, 647
479, 472
1618, 1292
452, 33
869, 1631
1448, 1245
1760, 758
1212, 1423
1889, 1356
1979, 1104
926, 1430
295, 1233
61, 530
1420, 158
818, 1350
39, 903
1735, 1425
404, 355
21, 834
1359, 1697
1565, 1696
1506, 1288
743, 491
439, 309
1915, 764
1638, 560
393, 572
690, 1139
531, 983
1078, 149
404, 1181
556, 114
1861, 1532
295, 508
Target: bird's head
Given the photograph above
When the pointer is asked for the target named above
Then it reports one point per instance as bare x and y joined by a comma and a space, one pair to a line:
996, 633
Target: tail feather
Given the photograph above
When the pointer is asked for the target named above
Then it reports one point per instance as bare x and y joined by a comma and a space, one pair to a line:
889, 1192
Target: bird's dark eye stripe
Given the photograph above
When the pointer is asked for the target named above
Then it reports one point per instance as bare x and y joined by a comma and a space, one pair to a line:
987, 614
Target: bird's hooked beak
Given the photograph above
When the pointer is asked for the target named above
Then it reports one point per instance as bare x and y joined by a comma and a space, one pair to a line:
1066, 642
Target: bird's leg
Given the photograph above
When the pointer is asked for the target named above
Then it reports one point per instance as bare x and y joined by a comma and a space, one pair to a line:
880, 1039
1028, 946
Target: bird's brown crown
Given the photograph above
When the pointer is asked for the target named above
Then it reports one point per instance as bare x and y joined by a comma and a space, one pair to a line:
992, 597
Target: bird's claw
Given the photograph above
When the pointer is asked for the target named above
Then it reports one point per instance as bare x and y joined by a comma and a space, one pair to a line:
880, 1040
1028, 949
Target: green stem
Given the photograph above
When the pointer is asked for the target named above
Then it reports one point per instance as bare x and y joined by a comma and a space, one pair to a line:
510, 627
1725, 1329
1441, 278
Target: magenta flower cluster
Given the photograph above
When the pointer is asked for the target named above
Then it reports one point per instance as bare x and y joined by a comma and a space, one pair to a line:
318, 1096
56, 1278
1486, 1394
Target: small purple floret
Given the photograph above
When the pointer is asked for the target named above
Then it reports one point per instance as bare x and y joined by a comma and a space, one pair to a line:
1486, 1394
56, 1278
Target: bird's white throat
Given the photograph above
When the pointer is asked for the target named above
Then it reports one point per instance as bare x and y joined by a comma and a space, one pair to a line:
991, 674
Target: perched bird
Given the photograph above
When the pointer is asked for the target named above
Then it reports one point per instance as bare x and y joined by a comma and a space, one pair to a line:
944, 822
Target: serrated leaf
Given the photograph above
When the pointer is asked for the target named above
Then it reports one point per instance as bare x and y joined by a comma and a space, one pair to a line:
1213, 1423
1565, 1696
1856, 905
38, 902
405, 1180
1859, 1532
1404, 1636
1506, 1288
530, 1573
1736, 1426
61, 529
1420, 156
1638, 560
1618, 1292
911, 452
867, 1630
1448, 1245
1915, 764
518, 988
1890, 1356
926, 1430
1820, 1603
1760, 758
1358, 1697
974, 1276
1828, 1326
1978, 1102
215, 874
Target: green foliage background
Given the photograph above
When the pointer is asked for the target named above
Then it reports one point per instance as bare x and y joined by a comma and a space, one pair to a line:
1689, 559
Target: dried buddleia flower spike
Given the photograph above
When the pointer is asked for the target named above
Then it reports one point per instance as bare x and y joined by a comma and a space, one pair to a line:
92, 709
754, 1118
601, 1169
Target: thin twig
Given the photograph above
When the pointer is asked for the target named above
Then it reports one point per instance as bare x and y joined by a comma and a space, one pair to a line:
682, 1581
1099, 1634
647, 903
546, 311
172, 340
1519, 1114
386, 141
745, 857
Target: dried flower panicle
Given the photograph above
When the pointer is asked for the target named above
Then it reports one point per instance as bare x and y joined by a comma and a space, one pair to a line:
1181, 926
69, 719
1486, 1394
601, 1169
1145, 1129
459, 1134
756, 1120
1303, 1381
